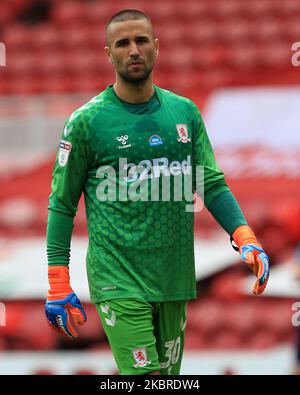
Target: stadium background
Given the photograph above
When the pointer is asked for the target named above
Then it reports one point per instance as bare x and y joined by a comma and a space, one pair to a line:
234, 59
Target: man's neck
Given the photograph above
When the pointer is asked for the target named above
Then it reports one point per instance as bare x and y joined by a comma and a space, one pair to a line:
134, 93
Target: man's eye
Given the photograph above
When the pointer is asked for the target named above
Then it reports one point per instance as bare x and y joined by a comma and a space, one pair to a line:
142, 40
122, 44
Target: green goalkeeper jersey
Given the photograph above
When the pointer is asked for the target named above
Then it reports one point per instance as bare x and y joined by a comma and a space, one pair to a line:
135, 165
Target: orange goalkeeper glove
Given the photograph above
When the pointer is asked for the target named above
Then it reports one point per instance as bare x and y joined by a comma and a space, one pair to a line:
253, 254
62, 307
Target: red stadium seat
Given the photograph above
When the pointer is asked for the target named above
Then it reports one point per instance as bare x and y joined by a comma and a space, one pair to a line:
52, 64
98, 14
6, 13
69, 12
17, 5
234, 31
194, 341
288, 7
257, 8
211, 57
228, 339
225, 9
25, 85
75, 37
195, 13
5, 86
91, 83
204, 33
181, 82
208, 315
164, 11
222, 285
180, 59
267, 30
243, 57
83, 37
57, 84
276, 318
17, 37
276, 55
28, 333
84, 62
243, 318
170, 34
262, 340
292, 30
46, 37
22, 64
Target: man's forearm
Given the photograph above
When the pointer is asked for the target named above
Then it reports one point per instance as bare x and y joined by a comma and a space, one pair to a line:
59, 232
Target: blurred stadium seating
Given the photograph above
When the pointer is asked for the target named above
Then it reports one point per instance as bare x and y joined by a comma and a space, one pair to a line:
55, 62
237, 37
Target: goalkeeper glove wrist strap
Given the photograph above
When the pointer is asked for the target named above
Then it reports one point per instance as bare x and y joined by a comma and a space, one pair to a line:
244, 235
59, 282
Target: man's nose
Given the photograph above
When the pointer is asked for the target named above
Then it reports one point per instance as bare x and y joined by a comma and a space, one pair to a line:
134, 50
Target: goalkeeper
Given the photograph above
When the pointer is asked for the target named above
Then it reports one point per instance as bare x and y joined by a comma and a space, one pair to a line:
132, 138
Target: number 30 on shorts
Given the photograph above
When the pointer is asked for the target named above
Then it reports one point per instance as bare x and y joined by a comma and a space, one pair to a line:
172, 353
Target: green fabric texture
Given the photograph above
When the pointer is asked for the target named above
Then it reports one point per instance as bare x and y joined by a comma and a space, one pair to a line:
137, 248
227, 212
59, 231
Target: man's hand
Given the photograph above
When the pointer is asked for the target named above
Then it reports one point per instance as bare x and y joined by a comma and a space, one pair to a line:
258, 261
62, 307
253, 254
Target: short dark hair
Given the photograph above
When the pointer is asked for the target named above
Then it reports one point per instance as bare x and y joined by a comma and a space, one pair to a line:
127, 15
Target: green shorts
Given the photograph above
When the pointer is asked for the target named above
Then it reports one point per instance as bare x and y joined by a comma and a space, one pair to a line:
145, 336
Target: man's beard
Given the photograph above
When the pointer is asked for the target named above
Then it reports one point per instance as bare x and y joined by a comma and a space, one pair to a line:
135, 79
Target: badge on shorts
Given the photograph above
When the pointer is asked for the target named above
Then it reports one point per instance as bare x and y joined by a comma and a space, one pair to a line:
63, 153
140, 356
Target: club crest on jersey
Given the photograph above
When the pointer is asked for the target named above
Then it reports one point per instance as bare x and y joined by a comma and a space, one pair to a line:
183, 133
140, 357
64, 152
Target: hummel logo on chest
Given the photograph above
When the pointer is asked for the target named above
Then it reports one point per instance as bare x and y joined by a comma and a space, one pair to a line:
123, 140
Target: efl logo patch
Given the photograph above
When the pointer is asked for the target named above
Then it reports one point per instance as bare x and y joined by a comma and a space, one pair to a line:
140, 357
183, 133
63, 153
155, 140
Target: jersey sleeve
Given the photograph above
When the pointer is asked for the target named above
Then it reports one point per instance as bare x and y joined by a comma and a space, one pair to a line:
209, 181
69, 174
71, 166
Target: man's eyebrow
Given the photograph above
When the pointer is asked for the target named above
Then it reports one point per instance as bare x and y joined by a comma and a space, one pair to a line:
144, 36
121, 40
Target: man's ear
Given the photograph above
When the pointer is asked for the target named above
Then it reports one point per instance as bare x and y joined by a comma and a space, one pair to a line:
156, 46
108, 54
